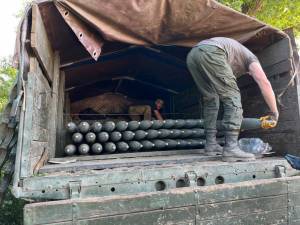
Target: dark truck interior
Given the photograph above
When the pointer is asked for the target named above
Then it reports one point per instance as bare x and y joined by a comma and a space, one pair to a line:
128, 74
142, 74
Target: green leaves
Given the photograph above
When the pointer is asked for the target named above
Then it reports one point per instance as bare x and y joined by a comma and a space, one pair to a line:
7, 78
278, 13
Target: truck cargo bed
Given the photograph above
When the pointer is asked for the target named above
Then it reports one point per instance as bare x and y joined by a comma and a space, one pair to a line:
99, 162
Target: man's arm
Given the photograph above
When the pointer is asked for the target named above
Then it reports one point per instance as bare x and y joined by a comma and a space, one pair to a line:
264, 84
158, 115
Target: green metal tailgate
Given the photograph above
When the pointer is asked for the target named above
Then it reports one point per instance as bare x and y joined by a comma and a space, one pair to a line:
268, 201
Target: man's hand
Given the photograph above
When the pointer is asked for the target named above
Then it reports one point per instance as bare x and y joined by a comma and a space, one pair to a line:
274, 116
269, 121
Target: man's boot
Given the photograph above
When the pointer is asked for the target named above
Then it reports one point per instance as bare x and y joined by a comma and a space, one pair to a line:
232, 151
212, 148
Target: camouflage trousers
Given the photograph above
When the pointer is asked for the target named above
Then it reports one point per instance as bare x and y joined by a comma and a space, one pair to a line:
215, 80
137, 111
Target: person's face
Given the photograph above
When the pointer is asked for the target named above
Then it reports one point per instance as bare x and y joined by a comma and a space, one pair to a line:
159, 105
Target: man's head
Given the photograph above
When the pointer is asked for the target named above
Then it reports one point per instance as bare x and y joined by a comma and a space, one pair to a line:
159, 103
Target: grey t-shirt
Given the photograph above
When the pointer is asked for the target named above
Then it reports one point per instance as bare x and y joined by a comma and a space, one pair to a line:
238, 56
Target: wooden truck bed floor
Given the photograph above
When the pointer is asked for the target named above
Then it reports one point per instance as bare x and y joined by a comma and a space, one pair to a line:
110, 161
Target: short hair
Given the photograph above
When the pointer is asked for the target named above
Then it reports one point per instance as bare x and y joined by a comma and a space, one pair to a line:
159, 101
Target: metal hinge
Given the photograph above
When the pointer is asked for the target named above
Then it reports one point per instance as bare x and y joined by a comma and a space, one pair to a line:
280, 171
74, 189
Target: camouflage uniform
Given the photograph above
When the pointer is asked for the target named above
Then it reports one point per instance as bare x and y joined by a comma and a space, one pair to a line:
216, 82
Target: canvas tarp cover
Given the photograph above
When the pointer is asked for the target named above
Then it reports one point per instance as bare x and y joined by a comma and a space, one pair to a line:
159, 22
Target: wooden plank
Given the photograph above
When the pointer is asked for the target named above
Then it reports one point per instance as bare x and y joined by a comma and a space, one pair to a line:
42, 100
136, 180
40, 43
36, 118
143, 218
41, 162
245, 190
294, 222
180, 216
294, 212
129, 155
241, 207
294, 185
279, 68
294, 200
54, 111
275, 217
39, 133
28, 122
48, 214
60, 128
36, 152
275, 53
176, 206
92, 165
276, 69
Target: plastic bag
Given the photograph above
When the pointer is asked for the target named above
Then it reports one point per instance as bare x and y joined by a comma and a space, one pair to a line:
254, 145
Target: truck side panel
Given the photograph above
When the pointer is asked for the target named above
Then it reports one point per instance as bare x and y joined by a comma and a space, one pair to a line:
269, 201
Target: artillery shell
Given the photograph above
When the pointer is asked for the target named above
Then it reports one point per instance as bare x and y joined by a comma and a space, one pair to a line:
147, 145
83, 149
96, 127
159, 144
168, 124
152, 134
71, 127
110, 147
140, 134
121, 125
164, 133
157, 124
70, 150
103, 136
97, 148
135, 145
145, 124
90, 137
115, 136
179, 123
128, 135
133, 125
77, 138
84, 127
109, 126
122, 146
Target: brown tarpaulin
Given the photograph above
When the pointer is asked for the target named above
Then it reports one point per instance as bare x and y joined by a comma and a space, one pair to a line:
160, 22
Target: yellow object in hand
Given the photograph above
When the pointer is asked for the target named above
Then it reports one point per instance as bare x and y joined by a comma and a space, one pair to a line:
267, 122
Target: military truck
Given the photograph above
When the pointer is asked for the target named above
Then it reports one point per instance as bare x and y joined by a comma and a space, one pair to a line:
71, 50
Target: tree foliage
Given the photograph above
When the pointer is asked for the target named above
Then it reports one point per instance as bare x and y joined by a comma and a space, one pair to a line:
7, 78
278, 13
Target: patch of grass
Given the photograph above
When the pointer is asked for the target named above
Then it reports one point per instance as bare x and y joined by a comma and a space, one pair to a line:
11, 212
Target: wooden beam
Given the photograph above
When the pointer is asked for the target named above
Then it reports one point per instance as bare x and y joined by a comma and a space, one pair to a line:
276, 53
126, 155
40, 43
130, 162
53, 111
